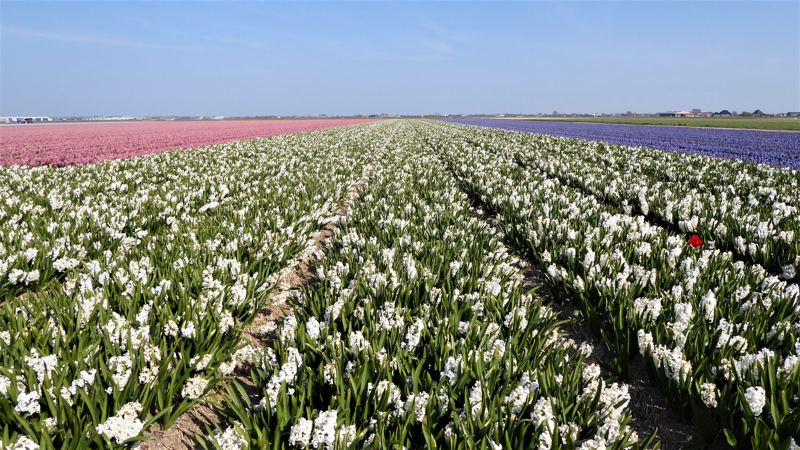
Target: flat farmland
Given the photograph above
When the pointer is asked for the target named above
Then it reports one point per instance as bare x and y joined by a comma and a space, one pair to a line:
81, 143
402, 284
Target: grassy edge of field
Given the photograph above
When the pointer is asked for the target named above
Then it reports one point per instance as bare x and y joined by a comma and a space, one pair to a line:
764, 124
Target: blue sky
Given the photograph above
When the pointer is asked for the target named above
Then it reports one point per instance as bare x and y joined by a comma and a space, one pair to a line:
249, 58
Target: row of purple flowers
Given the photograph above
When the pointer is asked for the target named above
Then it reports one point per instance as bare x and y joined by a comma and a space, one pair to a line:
766, 147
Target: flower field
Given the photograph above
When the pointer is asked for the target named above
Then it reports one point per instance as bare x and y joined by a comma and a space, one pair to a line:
81, 143
766, 147
129, 286
126, 284
719, 330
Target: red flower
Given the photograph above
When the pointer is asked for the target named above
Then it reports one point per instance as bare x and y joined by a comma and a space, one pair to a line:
695, 241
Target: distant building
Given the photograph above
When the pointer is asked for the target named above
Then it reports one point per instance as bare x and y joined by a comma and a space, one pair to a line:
25, 119
793, 114
723, 113
679, 114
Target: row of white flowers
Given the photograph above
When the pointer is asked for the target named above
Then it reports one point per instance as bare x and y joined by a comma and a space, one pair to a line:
139, 275
420, 334
760, 225
722, 336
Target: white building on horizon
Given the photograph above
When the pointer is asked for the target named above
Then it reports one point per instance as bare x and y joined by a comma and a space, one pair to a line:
24, 119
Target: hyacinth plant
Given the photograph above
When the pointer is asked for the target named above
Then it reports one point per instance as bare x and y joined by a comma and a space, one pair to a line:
725, 146
140, 274
418, 334
748, 209
759, 225
722, 336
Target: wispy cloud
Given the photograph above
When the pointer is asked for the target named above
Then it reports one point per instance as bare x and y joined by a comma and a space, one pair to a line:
438, 31
85, 39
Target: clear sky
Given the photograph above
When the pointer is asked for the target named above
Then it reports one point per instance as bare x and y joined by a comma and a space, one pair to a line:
250, 58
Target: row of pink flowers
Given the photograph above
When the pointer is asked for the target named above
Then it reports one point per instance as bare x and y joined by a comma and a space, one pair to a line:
64, 144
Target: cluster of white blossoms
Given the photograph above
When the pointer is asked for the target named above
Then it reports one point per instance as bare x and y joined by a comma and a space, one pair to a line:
43, 366
709, 393
417, 404
124, 425
755, 396
19, 276
648, 309
327, 436
122, 267
23, 443
287, 375
194, 387
231, 438
614, 233
520, 396
28, 403
300, 434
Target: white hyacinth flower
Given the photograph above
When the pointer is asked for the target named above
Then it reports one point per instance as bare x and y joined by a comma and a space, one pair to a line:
756, 399
124, 425
300, 433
